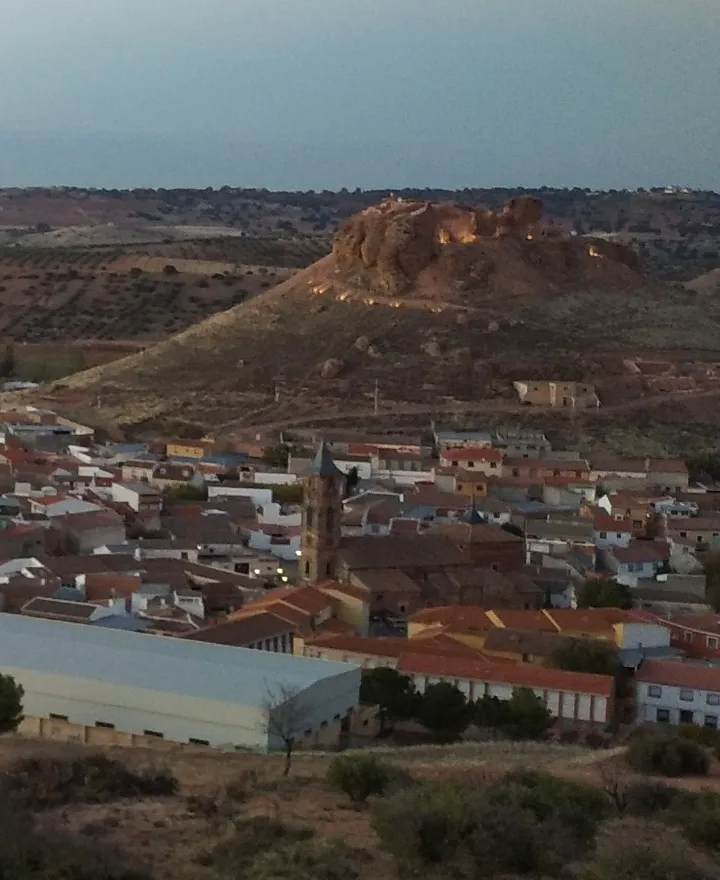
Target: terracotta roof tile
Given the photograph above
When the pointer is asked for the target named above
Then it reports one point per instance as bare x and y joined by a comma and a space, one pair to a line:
679, 674
243, 631
519, 675
457, 618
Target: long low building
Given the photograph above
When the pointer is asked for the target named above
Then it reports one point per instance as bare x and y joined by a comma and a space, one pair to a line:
174, 689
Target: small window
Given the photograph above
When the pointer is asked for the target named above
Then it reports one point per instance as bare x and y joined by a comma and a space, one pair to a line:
662, 716
687, 636
493, 464
712, 642
713, 699
654, 690
711, 721
619, 535
603, 534
686, 695
199, 742
456, 464
105, 724
683, 534
154, 733
58, 717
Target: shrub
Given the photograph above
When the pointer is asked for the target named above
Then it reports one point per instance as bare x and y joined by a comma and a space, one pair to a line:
249, 838
704, 736
569, 737
668, 754
527, 823
362, 776
40, 783
649, 798
702, 827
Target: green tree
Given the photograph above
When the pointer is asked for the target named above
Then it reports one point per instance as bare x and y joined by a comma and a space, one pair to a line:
445, 711
529, 717
393, 692
586, 655
604, 593
11, 709
491, 712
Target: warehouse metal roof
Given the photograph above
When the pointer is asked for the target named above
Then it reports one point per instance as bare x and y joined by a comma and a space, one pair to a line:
129, 659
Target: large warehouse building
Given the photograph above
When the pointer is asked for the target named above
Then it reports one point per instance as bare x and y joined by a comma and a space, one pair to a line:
176, 689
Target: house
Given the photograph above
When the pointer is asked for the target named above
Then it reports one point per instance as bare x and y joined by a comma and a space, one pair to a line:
168, 475
138, 497
188, 449
541, 468
671, 692
640, 560
521, 442
557, 395
577, 699
485, 545
670, 474
482, 459
613, 471
388, 591
610, 531
383, 650
558, 538
259, 630
704, 531
697, 634
451, 439
84, 532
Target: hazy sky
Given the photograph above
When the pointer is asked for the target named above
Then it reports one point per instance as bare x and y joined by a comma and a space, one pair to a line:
306, 94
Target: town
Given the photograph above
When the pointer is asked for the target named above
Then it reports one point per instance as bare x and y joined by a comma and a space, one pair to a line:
185, 591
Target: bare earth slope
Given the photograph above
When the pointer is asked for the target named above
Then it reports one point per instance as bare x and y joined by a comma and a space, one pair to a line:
428, 301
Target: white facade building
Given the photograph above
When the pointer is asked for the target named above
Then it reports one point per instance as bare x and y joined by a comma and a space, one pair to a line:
176, 689
675, 692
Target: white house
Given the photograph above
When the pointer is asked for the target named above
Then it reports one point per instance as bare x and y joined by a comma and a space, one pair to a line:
179, 690
674, 692
610, 531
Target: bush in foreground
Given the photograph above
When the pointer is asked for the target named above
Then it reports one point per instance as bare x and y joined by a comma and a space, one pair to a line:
41, 783
364, 776
668, 754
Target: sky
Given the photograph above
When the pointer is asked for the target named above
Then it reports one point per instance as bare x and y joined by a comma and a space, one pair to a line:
313, 94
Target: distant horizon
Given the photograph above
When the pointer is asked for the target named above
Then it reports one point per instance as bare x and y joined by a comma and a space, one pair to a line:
115, 161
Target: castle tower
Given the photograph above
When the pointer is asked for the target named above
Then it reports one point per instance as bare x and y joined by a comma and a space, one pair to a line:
322, 515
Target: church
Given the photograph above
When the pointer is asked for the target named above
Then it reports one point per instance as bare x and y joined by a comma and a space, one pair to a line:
466, 563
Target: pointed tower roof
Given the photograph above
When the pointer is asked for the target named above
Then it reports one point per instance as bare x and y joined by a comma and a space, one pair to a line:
323, 465
473, 518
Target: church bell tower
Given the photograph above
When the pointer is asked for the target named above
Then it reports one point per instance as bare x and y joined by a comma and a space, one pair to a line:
322, 515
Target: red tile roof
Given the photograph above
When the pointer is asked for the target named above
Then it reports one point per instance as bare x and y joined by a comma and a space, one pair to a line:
307, 599
641, 551
679, 674
603, 522
519, 675
706, 623
391, 646
538, 621
457, 618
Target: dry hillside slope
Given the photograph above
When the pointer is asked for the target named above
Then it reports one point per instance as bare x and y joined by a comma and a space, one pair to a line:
429, 301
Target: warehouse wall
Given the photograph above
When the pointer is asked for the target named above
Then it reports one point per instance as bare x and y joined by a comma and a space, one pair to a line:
178, 718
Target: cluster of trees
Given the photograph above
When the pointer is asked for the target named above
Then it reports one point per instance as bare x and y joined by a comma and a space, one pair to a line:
445, 710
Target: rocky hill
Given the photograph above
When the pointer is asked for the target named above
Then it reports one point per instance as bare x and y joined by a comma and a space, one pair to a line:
423, 301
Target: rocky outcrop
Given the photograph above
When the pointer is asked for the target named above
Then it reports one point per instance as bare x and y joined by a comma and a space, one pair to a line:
399, 239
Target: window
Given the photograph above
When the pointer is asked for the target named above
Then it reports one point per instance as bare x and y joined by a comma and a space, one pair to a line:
603, 534
686, 695
713, 699
654, 690
328, 569
456, 464
309, 517
105, 724
471, 464
154, 733
683, 534
686, 716
307, 568
199, 742
516, 472
711, 721
687, 636
712, 642
58, 717
662, 716
493, 464
619, 535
